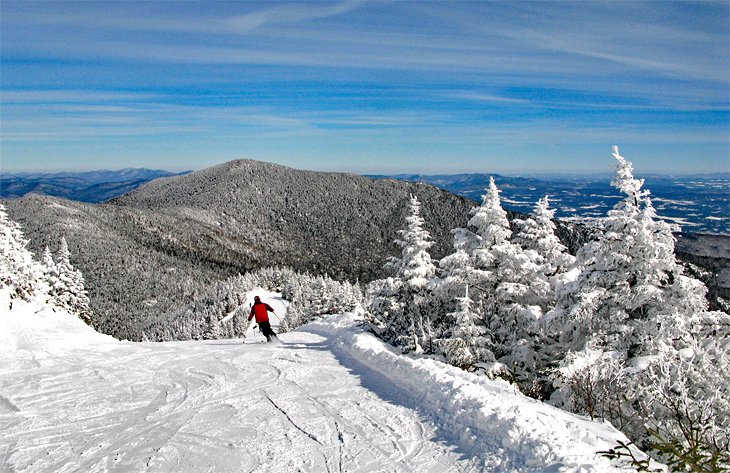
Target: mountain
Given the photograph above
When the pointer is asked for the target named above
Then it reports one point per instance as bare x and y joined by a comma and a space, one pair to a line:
341, 224
90, 186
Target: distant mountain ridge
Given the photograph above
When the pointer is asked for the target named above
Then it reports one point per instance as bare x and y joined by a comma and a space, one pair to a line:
697, 204
88, 186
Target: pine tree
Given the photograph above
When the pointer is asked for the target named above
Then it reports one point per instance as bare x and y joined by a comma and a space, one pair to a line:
467, 344
50, 270
509, 280
490, 219
19, 272
507, 283
472, 262
537, 232
401, 301
632, 295
634, 311
69, 292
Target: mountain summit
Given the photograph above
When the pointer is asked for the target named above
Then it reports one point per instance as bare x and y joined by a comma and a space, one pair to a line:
341, 224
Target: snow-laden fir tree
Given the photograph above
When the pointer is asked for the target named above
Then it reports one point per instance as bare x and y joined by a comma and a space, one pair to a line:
50, 270
507, 283
632, 295
20, 274
537, 232
490, 219
466, 345
507, 287
401, 302
456, 271
533, 353
631, 311
68, 292
472, 260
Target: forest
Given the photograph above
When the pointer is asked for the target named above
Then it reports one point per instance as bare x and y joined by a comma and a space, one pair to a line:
617, 332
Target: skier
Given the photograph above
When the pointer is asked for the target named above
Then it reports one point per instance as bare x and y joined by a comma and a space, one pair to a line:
260, 310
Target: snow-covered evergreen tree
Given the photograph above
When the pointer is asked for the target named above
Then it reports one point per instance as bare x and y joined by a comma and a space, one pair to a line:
69, 292
631, 295
507, 284
415, 266
466, 345
633, 309
20, 274
400, 302
50, 270
507, 279
490, 219
537, 232
471, 264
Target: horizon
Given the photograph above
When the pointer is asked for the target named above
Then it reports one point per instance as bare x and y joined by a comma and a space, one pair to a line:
534, 175
524, 88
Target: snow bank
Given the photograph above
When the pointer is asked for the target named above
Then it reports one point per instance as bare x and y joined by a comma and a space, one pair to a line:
485, 418
37, 329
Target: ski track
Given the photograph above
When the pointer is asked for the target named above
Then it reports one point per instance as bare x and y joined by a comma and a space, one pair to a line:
220, 405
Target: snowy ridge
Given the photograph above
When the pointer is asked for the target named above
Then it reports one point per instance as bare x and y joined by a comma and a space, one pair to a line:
486, 418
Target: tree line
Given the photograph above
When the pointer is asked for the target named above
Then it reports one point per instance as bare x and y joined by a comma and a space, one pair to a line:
617, 332
52, 281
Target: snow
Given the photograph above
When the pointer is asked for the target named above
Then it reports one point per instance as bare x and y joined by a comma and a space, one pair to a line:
484, 418
329, 397
32, 329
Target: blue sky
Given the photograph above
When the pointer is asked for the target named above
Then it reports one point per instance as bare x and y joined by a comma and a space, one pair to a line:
368, 87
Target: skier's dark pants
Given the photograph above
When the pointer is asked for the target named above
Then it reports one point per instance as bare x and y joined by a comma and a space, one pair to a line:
266, 330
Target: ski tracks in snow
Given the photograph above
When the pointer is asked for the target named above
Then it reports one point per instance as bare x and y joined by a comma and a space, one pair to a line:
219, 405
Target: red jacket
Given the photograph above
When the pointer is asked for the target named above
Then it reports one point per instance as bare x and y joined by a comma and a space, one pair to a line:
260, 310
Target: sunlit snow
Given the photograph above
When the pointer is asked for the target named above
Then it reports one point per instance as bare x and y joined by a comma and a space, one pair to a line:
328, 397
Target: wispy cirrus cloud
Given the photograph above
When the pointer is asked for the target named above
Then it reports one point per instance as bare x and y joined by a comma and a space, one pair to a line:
363, 75
119, 16
70, 96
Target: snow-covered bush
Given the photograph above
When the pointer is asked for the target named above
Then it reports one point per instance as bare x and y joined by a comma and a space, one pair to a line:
684, 402
596, 385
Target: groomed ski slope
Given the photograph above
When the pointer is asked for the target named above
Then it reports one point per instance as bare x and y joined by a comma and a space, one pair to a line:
326, 398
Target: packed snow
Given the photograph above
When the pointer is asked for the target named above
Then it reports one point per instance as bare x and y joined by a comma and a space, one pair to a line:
329, 397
